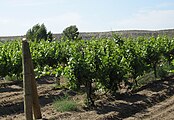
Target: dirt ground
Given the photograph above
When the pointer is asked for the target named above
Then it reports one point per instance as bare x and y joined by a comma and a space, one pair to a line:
153, 101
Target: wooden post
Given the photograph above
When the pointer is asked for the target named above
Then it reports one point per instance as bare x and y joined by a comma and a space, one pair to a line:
27, 81
34, 102
36, 105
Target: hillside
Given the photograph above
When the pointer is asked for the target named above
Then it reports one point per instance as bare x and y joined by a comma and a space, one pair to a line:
124, 33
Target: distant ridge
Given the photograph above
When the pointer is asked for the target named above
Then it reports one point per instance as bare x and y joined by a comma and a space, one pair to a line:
124, 33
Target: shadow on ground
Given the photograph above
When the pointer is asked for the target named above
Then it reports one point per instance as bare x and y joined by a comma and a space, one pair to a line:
132, 104
124, 105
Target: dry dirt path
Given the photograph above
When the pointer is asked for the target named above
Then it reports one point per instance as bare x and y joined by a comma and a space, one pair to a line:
11, 99
162, 111
154, 101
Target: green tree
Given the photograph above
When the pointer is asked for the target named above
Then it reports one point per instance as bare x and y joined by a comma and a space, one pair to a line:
38, 32
49, 36
71, 33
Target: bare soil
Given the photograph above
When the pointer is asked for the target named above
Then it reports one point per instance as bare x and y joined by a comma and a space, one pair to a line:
151, 102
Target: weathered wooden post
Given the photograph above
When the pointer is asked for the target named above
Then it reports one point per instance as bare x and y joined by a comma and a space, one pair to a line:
36, 105
30, 89
27, 81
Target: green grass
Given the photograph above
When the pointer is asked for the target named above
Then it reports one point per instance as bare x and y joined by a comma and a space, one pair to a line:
13, 77
65, 104
144, 80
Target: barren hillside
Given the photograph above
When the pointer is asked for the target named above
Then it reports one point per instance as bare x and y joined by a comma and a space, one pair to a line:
124, 33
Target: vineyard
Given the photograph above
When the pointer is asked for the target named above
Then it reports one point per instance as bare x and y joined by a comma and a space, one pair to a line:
105, 65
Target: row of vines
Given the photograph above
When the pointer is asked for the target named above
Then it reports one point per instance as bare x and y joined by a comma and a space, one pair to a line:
105, 62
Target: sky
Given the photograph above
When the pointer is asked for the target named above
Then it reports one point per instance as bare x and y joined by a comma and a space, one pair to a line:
17, 16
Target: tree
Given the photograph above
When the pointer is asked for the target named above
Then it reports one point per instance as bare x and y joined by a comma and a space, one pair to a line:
49, 36
38, 32
71, 33
41, 33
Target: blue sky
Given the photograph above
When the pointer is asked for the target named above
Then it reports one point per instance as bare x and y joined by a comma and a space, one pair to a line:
17, 16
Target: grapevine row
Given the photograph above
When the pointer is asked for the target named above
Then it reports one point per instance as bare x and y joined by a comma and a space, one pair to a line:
106, 62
